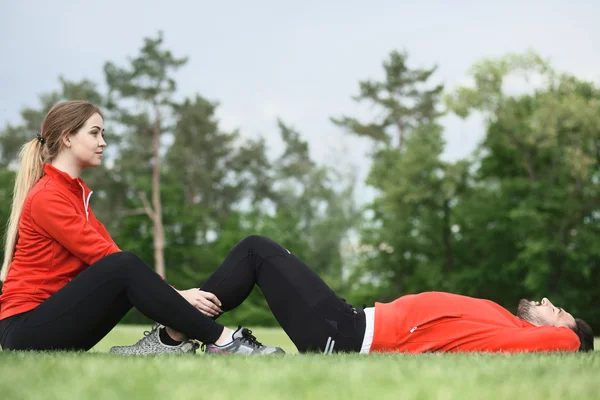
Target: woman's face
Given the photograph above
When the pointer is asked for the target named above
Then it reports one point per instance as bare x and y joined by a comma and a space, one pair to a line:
87, 144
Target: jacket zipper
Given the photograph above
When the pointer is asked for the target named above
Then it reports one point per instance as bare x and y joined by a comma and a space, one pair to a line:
85, 203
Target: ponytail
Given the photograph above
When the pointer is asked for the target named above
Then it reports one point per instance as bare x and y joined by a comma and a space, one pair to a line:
30, 171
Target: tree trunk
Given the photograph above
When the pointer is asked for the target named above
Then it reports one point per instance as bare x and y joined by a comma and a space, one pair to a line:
529, 167
400, 126
159, 233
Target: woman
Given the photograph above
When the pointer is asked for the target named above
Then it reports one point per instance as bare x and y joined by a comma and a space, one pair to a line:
66, 283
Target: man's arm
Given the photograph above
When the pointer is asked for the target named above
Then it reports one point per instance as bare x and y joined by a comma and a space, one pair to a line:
534, 339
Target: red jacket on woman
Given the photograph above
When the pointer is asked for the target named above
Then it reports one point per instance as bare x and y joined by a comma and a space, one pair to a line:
59, 237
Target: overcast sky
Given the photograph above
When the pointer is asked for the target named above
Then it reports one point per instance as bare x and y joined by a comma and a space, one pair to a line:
299, 60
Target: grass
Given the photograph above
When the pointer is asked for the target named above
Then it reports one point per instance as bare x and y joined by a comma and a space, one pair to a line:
98, 375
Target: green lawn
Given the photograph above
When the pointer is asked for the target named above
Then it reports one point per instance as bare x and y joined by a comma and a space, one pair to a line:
98, 375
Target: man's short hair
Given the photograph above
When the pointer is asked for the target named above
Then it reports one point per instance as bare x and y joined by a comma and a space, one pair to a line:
585, 333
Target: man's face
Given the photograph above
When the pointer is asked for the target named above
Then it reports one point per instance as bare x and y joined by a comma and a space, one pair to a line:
544, 313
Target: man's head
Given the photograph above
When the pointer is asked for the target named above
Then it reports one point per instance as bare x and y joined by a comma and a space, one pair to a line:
544, 313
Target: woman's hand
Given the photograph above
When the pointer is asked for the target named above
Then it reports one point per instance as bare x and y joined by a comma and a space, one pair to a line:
206, 302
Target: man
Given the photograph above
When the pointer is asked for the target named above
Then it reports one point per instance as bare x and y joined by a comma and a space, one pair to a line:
448, 322
316, 319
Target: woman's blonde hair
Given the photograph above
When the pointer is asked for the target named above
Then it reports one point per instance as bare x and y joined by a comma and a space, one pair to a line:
62, 119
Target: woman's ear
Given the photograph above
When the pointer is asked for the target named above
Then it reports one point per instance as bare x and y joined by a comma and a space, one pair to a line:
67, 140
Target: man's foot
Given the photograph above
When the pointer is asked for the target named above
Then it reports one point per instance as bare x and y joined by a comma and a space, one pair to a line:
243, 343
151, 344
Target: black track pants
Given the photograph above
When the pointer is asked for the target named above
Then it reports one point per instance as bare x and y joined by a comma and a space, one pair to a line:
83, 311
306, 308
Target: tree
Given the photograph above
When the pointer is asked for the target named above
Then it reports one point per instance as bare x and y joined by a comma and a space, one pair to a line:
537, 183
207, 162
404, 106
407, 243
148, 81
319, 199
206, 176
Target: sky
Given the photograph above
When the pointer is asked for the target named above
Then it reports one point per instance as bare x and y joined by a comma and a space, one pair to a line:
300, 61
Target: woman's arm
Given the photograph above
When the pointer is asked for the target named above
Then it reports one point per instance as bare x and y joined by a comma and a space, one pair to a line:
53, 215
206, 302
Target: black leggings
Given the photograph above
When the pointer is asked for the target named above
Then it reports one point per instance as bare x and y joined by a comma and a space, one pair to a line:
83, 311
309, 312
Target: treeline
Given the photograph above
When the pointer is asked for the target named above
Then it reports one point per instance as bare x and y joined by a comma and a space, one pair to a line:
517, 218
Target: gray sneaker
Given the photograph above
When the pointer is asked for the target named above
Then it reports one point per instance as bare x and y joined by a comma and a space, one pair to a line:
243, 343
150, 344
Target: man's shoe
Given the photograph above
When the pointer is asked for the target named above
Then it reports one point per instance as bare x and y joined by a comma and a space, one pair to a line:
243, 343
150, 344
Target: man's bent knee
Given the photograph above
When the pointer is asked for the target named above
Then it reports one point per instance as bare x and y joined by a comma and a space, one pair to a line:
253, 239
258, 241
125, 261
261, 245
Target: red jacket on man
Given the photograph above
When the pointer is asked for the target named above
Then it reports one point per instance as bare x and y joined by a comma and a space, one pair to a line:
445, 322
59, 237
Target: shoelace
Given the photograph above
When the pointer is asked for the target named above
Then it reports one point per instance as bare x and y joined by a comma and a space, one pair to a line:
148, 333
154, 328
249, 338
